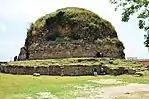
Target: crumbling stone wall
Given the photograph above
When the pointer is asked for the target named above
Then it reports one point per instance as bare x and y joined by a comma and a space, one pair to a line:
64, 70
72, 49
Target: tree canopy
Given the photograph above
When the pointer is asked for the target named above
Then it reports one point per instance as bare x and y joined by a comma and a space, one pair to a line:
140, 8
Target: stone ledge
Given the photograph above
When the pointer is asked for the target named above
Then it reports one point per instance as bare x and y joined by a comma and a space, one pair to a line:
65, 70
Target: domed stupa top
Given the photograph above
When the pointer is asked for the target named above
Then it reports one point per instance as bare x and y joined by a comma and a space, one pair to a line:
68, 25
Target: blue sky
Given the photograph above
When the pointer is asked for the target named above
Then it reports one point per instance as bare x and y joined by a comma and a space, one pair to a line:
16, 15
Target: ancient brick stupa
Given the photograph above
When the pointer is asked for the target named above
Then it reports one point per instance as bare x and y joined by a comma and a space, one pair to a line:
71, 32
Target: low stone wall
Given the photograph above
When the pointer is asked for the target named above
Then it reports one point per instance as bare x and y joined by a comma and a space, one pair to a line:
78, 70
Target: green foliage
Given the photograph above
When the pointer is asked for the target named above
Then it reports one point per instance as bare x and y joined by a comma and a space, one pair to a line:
73, 15
110, 41
41, 21
138, 7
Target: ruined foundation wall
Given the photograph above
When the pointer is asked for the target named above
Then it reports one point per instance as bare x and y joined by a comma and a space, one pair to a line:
79, 70
72, 49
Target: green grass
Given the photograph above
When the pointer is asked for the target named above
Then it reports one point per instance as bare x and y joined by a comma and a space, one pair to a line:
78, 61
21, 86
13, 85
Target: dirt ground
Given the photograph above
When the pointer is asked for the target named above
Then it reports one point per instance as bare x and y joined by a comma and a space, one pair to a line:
128, 91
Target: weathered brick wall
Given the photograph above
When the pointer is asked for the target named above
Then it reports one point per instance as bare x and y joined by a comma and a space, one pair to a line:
72, 49
65, 70
144, 62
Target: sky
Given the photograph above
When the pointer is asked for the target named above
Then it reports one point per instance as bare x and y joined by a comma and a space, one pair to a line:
16, 16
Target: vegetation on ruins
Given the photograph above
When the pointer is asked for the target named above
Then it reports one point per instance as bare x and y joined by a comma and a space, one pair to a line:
90, 32
89, 22
73, 14
78, 61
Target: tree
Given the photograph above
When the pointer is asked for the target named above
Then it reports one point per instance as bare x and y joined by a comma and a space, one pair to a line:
135, 7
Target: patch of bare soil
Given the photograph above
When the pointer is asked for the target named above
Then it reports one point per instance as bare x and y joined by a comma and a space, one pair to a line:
135, 95
114, 92
107, 81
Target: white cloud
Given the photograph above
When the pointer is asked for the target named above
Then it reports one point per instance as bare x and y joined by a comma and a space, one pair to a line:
3, 28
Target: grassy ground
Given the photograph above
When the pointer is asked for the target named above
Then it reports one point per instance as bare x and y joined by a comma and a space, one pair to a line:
22, 86
77, 61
